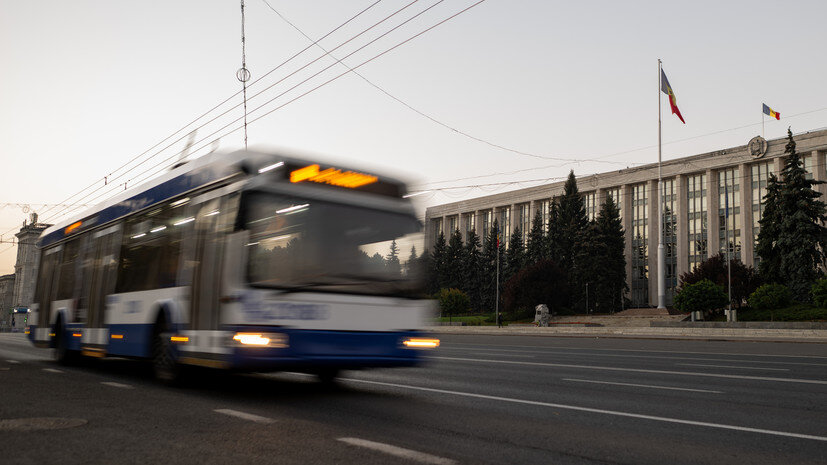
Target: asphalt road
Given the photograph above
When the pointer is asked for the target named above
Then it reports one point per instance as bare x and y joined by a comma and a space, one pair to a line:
481, 399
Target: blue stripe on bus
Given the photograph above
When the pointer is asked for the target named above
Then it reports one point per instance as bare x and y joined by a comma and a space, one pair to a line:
136, 341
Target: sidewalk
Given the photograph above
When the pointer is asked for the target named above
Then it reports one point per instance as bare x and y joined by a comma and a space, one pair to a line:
818, 336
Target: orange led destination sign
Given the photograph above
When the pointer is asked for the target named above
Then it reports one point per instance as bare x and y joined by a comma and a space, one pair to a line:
332, 176
72, 227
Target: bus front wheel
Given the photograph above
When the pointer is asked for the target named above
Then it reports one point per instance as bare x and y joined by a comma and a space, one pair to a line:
164, 361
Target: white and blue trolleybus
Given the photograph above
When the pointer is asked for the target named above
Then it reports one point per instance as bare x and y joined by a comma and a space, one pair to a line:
247, 260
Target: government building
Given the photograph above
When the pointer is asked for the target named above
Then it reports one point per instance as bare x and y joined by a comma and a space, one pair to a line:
697, 189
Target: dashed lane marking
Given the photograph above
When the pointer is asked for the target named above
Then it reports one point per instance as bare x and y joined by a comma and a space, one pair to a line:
730, 366
599, 411
637, 370
13, 362
400, 452
53, 370
117, 385
245, 416
642, 385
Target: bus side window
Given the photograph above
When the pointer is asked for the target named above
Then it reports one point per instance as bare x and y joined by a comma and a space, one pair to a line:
46, 284
67, 271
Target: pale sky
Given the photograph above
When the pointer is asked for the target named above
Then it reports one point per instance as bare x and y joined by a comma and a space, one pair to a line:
89, 85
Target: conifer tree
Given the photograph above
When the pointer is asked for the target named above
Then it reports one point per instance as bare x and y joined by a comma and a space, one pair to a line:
472, 271
553, 232
572, 224
488, 267
515, 255
802, 236
589, 254
611, 282
454, 262
437, 268
536, 245
770, 265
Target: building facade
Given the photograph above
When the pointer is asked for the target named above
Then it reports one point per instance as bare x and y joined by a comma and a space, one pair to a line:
28, 260
6, 300
711, 201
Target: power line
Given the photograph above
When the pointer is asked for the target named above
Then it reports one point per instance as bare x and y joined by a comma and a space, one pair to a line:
105, 179
304, 94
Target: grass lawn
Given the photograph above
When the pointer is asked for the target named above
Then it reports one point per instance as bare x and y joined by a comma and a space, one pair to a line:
797, 312
473, 320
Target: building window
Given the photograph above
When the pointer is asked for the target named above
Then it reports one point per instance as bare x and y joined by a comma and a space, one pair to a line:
523, 220
504, 219
436, 229
696, 219
729, 212
453, 225
760, 176
670, 238
808, 161
487, 220
544, 206
470, 222
590, 204
640, 246
616, 194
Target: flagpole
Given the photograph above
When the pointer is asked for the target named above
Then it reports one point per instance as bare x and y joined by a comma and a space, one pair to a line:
728, 258
661, 258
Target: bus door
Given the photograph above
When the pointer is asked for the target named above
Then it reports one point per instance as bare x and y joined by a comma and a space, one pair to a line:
206, 275
105, 249
47, 285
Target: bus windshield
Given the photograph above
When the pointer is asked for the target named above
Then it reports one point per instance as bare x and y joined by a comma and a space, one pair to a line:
301, 244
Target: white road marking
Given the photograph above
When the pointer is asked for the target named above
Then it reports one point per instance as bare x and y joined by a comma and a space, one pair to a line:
245, 416
642, 385
637, 350
601, 411
638, 370
400, 452
13, 362
53, 370
730, 366
117, 385
648, 357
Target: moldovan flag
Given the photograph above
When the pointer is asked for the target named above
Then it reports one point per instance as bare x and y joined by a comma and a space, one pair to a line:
771, 113
667, 89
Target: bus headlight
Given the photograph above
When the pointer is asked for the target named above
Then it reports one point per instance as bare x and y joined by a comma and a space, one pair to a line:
420, 343
278, 340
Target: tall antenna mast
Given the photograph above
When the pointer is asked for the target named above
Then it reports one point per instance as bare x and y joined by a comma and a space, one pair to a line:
243, 74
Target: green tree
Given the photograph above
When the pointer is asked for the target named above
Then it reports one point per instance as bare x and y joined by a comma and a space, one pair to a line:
453, 302
802, 236
770, 297
472, 270
488, 268
770, 265
572, 223
541, 283
611, 280
553, 232
589, 266
703, 296
437, 265
536, 244
515, 255
714, 268
454, 262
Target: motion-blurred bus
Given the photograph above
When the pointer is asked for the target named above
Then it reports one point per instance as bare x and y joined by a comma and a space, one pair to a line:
250, 261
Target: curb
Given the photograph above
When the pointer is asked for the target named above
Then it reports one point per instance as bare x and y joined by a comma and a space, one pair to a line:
812, 336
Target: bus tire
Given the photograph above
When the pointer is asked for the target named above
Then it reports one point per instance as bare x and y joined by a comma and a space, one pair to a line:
327, 376
164, 364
